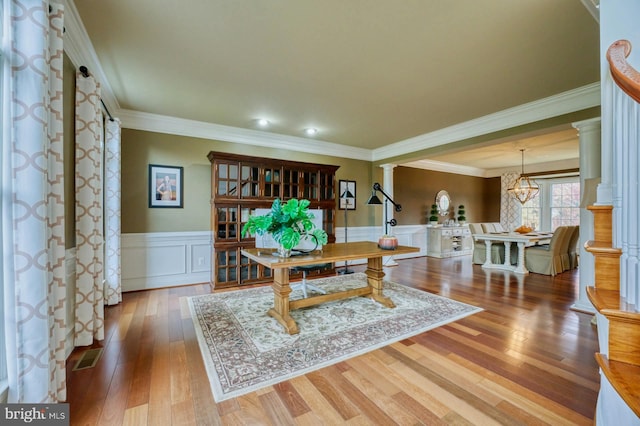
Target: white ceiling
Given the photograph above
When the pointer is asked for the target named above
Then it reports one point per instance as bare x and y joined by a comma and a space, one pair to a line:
373, 76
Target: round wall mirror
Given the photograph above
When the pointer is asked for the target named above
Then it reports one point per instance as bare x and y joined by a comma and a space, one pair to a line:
443, 201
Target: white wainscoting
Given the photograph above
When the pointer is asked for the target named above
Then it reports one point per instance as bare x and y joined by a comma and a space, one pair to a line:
168, 259
165, 259
408, 235
70, 287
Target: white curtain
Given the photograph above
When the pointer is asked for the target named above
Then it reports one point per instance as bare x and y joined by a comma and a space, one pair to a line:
113, 289
510, 208
89, 320
33, 243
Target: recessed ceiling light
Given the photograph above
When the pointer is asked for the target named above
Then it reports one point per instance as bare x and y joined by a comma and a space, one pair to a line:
263, 122
310, 131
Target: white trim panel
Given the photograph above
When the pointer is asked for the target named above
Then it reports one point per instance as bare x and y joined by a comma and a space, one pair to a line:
70, 272
408, 235
165, 259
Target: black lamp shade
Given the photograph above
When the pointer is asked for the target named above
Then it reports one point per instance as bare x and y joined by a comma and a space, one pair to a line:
374, 199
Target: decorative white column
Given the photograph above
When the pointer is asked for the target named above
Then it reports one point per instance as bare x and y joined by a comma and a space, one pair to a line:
387, 185
589, 133
626, 189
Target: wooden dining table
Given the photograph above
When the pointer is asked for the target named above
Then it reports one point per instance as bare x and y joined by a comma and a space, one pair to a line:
522, 241
329, 253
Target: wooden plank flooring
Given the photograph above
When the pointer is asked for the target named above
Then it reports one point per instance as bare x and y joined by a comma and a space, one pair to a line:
526, 359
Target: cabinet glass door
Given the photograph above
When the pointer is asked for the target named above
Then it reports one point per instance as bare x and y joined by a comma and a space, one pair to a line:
227, 179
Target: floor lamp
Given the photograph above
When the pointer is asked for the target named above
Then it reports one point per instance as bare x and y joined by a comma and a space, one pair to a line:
346, 196
387, 242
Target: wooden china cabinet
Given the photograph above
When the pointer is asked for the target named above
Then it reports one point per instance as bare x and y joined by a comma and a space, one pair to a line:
240, 184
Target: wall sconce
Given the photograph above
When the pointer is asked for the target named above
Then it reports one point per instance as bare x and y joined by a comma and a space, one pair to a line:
387, 242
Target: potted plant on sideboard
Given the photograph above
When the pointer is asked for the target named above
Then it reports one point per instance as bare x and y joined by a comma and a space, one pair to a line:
433, 219
461, 215
288, 223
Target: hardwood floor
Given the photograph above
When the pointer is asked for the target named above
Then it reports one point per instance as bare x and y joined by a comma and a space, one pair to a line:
526, 359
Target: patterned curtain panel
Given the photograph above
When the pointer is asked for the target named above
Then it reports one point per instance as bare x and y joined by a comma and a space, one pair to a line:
89, 320
33, 205
113, 289
510, 208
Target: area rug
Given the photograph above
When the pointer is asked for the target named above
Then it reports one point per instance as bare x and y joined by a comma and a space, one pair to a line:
244, 349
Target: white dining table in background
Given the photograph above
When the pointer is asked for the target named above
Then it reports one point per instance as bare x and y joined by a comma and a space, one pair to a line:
522, 240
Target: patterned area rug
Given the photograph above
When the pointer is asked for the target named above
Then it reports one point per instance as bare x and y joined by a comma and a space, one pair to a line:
244, 349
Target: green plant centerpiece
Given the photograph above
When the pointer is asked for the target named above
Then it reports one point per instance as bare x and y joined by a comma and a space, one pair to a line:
288, 223
434, 214
461, 216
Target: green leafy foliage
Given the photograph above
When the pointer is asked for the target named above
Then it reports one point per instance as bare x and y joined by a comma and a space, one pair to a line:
288, 223
461, 213
434, 213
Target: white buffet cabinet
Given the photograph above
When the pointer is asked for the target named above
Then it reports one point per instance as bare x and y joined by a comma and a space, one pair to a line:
449, 241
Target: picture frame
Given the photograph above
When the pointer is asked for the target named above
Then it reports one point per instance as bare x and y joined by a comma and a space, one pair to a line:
348, 203
166, 186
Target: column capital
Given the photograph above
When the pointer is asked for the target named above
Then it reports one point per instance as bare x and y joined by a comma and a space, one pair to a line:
590, 124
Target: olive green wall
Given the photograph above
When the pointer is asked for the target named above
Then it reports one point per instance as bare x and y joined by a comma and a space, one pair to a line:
141, 148
416, 189
68, 117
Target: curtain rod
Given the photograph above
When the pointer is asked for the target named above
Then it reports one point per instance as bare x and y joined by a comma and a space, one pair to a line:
85, 73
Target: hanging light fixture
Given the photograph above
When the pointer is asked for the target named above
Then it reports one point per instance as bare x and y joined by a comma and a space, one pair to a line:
525, 188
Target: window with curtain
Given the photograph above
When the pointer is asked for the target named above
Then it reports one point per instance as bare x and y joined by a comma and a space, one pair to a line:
557, 204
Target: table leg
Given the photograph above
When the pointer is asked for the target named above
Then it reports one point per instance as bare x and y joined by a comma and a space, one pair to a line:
280, 310
521, 268
507, 253
487, 262
374, 279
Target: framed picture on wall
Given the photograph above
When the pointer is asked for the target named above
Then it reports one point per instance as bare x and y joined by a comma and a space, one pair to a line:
347, 195
165, 186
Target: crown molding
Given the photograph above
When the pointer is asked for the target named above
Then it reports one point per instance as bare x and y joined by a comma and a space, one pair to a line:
533, 169
564, 103
198, 129
79, 48
593, 6
440, 166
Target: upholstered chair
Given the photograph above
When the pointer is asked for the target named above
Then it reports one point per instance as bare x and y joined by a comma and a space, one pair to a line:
480, 250
564, 248
573, 248
488, 227
547, 260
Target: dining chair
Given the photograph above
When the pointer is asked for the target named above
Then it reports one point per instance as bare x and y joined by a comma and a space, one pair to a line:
564, 248
547, 260
573, 248
488, 227
497, 227
480, 250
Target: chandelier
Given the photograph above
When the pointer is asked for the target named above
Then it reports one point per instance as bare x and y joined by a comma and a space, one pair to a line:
525, 188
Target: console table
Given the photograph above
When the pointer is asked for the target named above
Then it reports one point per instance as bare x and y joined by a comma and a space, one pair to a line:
329, 253
449, 241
